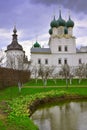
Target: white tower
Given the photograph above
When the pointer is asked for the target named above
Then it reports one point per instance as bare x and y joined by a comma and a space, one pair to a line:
14, 53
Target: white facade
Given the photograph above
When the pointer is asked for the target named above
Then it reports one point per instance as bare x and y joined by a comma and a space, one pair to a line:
62, 49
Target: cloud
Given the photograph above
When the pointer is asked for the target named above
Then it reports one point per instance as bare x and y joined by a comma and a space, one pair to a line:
76, 5
9, 5
6, 36
27, 44
4, 33
47, 2
81, 41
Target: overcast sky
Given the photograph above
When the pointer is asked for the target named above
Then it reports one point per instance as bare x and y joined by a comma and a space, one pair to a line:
32, 19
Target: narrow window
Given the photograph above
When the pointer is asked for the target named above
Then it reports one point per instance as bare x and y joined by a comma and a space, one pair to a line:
65, 61
39, 61
66, 49
46, 61
80, 61
59, 61
59, 48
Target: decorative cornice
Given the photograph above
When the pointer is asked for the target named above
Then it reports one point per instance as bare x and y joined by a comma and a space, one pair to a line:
62, 36
41, 52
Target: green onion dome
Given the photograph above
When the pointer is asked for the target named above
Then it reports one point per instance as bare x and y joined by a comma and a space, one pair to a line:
70, 23
36, 44
50, 31
60, 21
54, 23
65, 30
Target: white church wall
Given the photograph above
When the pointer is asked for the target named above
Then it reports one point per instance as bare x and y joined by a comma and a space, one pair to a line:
53, 59
55, 43
42, 57
82, 56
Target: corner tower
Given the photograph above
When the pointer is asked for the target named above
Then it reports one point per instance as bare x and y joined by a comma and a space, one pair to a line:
14, 53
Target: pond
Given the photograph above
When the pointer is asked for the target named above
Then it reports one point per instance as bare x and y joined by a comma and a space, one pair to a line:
65, 116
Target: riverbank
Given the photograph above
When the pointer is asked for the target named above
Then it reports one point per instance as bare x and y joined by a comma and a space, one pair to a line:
52, 100
17, 107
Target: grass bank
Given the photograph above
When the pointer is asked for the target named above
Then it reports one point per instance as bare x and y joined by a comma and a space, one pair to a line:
14, 106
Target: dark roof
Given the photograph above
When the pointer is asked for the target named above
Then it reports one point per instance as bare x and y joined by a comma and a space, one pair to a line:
41, 50
14, 45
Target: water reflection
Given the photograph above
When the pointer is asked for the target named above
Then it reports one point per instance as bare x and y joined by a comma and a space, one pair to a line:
70, 116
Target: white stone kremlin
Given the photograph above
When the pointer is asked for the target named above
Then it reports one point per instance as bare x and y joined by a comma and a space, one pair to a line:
62, 47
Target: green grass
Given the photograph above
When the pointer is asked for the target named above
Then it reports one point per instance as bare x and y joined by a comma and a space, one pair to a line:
2, 127
59, 82
18, 103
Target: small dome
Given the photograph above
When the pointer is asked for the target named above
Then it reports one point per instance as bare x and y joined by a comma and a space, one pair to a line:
36, 44
54, 23
50, 31
60, 21
70, 23
65, 30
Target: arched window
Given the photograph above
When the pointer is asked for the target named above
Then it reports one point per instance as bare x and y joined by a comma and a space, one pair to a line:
65, 61
46, 61
80, 61
59, 48
66, 48
59, 61
39, 61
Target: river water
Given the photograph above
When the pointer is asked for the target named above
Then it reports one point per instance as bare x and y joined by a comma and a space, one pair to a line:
66, 116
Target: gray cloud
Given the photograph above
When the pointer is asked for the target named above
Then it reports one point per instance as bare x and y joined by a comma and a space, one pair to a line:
76, 5
48, 2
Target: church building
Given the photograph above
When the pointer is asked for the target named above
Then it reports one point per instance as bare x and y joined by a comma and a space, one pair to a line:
62, 46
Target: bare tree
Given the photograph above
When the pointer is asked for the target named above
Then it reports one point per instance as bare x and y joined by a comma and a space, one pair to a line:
81, 72
10, 62
1, 61
34, 72
86, 71
45, 72
55, 76
70, 78
65, 72
2, 57
24, 63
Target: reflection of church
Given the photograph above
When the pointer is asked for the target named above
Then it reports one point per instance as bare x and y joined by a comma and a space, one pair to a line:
68, 116
62, 46
16, 58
